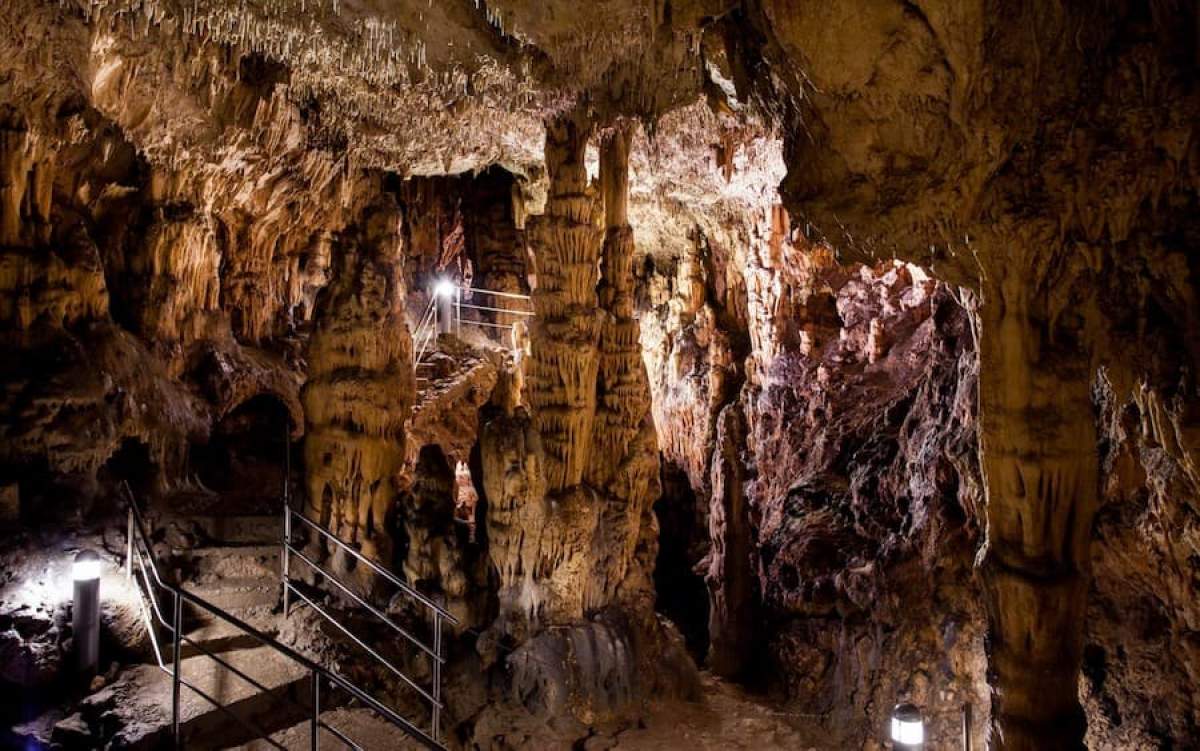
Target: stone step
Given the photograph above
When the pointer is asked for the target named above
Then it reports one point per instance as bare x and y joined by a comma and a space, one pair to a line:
229, 561
363, 726
235, 594
219, 636
222, 529
139, 701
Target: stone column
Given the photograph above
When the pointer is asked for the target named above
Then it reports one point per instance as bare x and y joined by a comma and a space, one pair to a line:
360, 388
565, 332
1039, 459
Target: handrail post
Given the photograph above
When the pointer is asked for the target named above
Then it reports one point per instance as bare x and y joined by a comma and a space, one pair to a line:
437, 675
286, 574
129, 544
177, 626
316, 711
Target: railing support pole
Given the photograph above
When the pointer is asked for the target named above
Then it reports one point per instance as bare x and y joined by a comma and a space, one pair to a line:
129, 545
437, 675
286, 574
316, 711
177, 627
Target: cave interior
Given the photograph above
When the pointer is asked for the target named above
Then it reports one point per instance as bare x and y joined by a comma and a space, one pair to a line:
638, 374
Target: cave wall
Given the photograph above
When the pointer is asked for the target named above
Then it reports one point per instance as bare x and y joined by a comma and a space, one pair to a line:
1040, 155
839, 480
141, 288
185, 197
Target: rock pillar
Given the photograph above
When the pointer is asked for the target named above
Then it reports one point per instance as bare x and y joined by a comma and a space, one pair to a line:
1039, 458
360, 388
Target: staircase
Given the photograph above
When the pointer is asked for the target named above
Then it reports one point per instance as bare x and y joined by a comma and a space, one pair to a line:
238, 686
501, 314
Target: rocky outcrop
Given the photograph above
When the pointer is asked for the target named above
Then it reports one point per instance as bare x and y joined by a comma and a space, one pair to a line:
838, 472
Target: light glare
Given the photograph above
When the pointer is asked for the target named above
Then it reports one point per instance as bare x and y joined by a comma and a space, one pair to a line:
444, 288
908, 732
85, 570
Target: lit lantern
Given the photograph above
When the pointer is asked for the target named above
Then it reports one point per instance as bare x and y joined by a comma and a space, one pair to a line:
445, 292
908, 728
85, 611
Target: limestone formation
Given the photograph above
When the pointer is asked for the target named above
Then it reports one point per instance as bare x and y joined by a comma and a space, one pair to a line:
359, 390
864, 344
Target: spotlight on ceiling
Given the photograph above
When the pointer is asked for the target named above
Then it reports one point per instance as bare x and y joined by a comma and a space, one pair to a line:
908, 728
444, 288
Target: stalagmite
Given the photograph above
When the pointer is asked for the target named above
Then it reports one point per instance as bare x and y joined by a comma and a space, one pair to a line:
565, 361
360, 387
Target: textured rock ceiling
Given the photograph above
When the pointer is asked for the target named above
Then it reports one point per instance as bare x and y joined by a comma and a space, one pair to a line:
416, 87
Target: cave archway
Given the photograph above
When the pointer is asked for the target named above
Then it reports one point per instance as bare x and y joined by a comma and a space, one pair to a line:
246, 452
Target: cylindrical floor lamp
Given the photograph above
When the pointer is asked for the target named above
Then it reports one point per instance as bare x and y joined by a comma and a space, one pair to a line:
85, 614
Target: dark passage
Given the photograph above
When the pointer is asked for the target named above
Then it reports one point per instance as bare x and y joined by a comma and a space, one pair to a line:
683, 539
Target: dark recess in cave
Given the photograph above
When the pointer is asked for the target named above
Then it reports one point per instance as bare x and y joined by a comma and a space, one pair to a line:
245, 454
130, 463
682, 595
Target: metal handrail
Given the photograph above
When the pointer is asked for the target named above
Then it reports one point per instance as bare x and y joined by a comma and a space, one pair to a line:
490, 309
138, 536
438, 613
497, 293
427, 330
367, 648
368, 606
400, 583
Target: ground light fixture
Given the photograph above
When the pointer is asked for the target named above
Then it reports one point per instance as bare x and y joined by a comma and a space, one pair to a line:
85, 610
908, 728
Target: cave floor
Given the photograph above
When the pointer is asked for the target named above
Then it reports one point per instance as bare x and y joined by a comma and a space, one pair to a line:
726, 718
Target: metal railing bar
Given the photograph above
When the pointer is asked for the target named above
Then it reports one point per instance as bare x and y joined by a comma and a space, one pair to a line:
426, 326
335, 679
340, 735
499, 310
374, 611
150, 591
329, 675
366, 647
386, 711
506, 326
253, 728
377, 568
150, 631
144, 536
497, 293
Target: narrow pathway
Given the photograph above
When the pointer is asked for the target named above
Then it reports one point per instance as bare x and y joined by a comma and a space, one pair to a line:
727, 719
